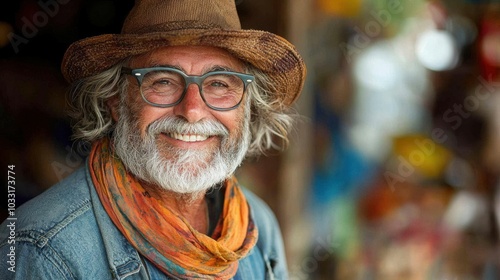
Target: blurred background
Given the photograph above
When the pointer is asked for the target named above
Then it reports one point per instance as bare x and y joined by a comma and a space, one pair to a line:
392, 172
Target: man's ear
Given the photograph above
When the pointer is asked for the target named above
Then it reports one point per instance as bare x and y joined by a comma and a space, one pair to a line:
113, 105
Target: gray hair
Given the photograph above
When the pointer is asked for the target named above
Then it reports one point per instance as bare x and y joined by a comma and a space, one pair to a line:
270, 120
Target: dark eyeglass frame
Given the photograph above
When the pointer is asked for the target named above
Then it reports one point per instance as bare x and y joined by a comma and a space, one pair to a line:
139, 74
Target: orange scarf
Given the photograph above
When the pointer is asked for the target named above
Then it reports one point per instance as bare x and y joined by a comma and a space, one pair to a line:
165, 237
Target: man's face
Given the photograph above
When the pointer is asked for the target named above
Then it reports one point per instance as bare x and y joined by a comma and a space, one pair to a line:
188, 147
192, 60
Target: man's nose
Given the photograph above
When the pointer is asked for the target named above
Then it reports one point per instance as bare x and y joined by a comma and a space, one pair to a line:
192, 107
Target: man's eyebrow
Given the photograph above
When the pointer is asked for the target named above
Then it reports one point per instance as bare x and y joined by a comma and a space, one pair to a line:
168, 65
219, 68
207, 70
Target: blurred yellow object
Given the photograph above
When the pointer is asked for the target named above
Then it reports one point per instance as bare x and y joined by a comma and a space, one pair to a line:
5, 31
344, 8
425, 155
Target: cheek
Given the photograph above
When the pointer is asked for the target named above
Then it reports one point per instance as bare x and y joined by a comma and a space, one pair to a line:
141, 113
233, 120
147, 115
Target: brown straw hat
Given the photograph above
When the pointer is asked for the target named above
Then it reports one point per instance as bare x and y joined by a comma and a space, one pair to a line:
157, 23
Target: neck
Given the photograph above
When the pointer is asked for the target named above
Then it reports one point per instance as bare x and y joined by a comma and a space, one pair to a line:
191, 207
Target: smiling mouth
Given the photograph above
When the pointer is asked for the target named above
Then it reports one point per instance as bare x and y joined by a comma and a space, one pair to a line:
188, 137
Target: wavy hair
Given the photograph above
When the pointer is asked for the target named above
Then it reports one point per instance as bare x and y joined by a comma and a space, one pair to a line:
270, 122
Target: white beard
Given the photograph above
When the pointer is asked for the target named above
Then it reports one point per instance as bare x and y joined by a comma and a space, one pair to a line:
185, 171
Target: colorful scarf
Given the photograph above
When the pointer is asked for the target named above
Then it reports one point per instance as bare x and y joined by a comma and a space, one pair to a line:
165, 237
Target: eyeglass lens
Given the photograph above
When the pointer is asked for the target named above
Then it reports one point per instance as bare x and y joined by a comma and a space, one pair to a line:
166, 87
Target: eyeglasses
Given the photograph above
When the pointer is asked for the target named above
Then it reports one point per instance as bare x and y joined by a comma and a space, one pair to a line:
166, 87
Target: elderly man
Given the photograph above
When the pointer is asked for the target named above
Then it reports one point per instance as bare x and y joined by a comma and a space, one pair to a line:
172, 106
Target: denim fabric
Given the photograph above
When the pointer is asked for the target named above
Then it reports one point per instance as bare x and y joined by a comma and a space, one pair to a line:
65, 233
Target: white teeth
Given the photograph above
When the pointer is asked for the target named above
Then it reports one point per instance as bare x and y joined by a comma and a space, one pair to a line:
188, 137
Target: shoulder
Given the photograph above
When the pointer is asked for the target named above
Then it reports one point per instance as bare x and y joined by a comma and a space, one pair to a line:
66, 200
53, 230
270, 241
262, 214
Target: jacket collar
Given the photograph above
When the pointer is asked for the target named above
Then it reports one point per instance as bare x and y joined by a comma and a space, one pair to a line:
123, 259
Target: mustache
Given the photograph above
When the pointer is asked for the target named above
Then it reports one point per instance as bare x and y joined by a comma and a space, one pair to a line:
171, 124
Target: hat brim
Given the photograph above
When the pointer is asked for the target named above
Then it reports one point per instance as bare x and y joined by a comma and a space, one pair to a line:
268, 52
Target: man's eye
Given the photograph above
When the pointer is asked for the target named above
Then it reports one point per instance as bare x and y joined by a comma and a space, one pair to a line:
163, 82
218, 84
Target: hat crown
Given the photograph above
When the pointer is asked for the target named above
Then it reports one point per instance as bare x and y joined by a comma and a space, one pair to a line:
163, 15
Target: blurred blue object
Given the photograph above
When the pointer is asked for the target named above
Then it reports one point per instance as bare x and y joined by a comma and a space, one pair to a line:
343, 170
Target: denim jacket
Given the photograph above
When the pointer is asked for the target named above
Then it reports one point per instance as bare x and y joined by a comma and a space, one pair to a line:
65, 233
